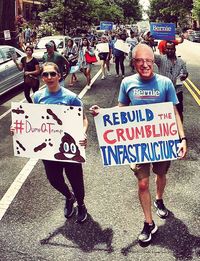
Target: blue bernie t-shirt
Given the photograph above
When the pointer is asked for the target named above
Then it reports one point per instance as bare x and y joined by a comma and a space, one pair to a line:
62, 96
136, 91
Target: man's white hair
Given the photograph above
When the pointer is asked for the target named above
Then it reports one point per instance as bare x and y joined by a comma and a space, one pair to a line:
141, 46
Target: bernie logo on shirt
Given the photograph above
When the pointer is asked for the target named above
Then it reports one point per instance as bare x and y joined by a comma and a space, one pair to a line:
146, 94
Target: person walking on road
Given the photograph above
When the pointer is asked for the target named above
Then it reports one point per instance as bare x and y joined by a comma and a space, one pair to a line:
175, 69
146, 81
31, 68
71, 54
54, 93
85, 67
52, 56
105, 57
119, 56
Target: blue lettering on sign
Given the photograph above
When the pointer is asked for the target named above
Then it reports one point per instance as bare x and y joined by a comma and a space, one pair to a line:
117, 118
106, 25
139, 153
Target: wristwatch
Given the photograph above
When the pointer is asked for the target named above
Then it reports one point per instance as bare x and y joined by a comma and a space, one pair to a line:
183, 138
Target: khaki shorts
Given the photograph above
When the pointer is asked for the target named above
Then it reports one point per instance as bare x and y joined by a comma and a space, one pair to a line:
143, 170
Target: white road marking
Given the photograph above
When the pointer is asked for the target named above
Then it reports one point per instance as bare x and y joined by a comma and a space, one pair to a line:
24, 173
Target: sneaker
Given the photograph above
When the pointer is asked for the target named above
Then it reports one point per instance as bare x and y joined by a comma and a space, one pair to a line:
123, 76
162, 212
108, 73
103, 77
117, 75
81, 214
69, 207
147, 232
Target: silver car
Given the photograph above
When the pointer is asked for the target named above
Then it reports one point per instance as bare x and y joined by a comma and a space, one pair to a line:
10, 76
40, 49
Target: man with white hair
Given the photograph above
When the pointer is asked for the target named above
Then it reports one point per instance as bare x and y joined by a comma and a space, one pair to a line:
157, 89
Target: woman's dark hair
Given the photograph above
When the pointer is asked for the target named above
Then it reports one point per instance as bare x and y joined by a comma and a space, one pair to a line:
88, 43
29, 47
54, 45
70, 40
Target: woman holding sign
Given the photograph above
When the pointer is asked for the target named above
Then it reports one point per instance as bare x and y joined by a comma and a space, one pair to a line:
104, 49
71, 54
54, 93
119, 55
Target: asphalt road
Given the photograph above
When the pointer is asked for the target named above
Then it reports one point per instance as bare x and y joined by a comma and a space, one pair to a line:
34, 228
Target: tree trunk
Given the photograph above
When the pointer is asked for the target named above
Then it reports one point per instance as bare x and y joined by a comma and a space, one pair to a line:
7, 21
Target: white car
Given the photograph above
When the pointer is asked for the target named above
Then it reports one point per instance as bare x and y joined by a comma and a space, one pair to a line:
40, 49
10, 76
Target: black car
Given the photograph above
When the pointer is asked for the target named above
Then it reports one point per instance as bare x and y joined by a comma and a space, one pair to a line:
194, 36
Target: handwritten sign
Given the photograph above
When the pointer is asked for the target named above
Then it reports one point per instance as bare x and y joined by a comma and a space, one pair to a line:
7, 35
137, 134
102, 48
122, 46
49, 132
163, 31
106, 25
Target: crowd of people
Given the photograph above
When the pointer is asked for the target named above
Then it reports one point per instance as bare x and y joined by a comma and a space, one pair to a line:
171, 72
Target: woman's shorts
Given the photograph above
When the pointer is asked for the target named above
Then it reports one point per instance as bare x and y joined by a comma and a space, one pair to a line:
103, 56
143, 170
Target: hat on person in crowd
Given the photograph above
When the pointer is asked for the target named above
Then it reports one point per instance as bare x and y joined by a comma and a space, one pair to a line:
49, 45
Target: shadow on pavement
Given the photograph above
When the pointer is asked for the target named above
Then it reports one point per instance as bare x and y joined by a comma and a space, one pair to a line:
175, 237
84, 236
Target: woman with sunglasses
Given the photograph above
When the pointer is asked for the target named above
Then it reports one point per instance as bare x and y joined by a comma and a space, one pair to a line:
54, 93
85, 67
31, 68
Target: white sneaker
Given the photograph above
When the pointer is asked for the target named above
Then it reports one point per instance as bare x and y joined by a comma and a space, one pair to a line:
108, 73
103, 77
117, 75
88, 87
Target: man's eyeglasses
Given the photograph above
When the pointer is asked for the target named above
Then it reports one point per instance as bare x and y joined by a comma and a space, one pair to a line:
47, 74
141, 61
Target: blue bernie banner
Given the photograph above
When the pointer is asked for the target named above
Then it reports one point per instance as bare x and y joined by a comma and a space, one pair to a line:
106, 25
163, 31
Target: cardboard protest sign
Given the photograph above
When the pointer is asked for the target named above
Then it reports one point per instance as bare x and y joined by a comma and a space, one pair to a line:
102, 48
122, 46
106, 25
50, 132
74, 69
7, 35
163, 31
137, 134
12, 53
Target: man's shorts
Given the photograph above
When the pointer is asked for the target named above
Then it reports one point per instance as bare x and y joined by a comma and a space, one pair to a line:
143, 170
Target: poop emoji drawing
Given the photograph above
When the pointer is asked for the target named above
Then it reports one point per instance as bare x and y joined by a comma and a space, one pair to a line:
69, 150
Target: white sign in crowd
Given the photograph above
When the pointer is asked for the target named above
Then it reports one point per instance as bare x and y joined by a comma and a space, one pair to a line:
46, 132
137, 134
132, 134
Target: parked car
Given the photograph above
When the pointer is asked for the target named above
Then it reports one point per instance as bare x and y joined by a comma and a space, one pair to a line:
40, 49
194, 36
10, 76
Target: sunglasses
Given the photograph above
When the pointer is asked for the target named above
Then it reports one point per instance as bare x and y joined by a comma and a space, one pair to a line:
49, 74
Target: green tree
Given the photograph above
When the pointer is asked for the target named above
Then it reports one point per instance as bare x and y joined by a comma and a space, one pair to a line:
196, 9
71, 13
132, 10
170, 11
